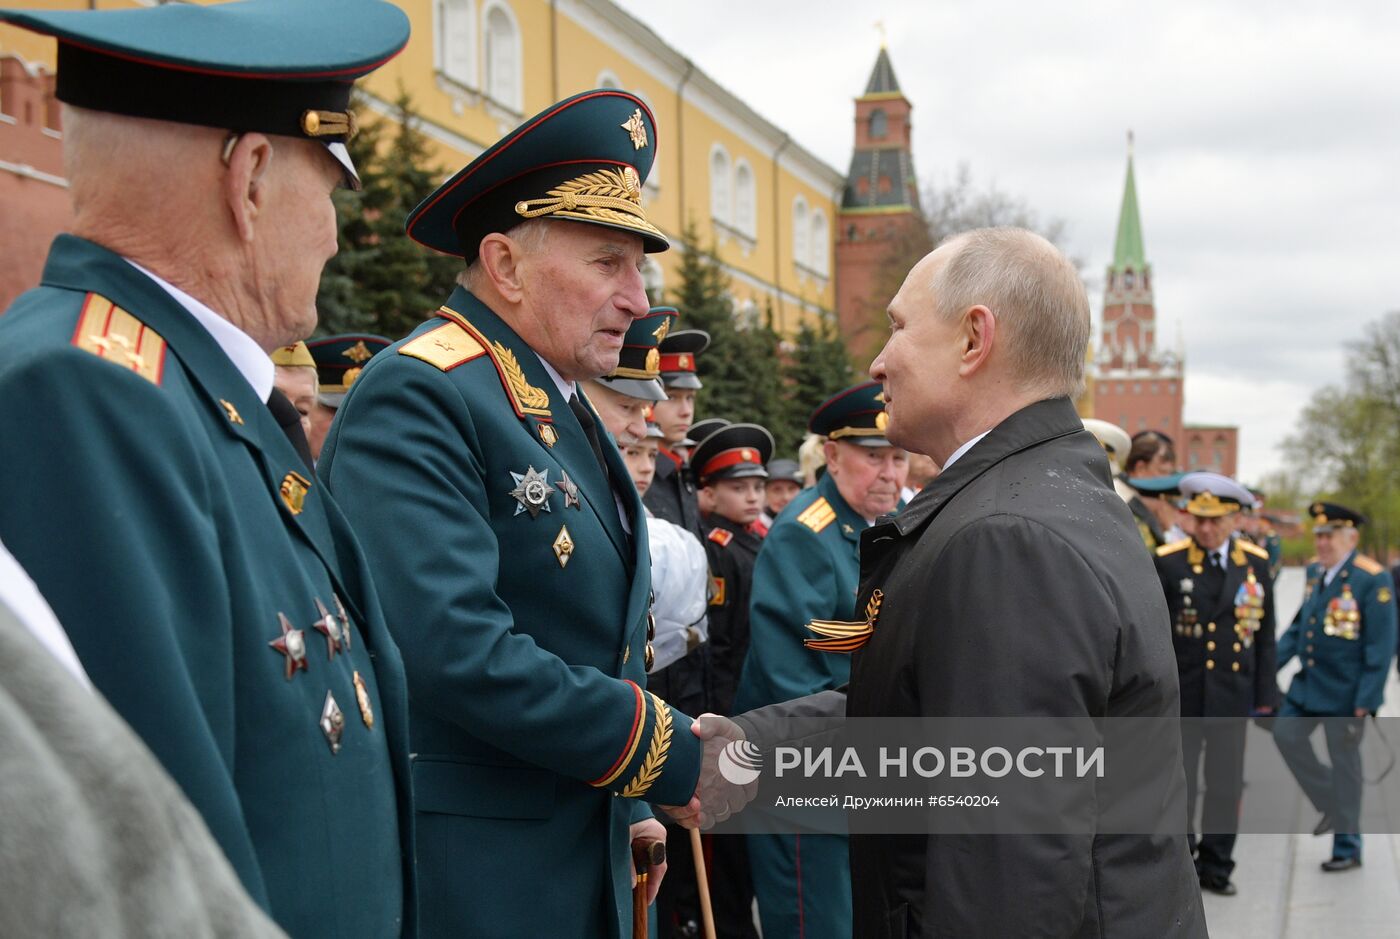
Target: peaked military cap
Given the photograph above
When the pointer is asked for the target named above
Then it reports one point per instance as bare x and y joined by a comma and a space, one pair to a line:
339, 360
1114, 440
1163, 486
273, 66
735, 451
1329, 516
583, 159
786, 470
1211, 495
679, 352
702, 429
856, 415
638, 371
297, 355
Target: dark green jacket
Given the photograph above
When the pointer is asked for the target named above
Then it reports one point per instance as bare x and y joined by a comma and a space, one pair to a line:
162, 512
523, 632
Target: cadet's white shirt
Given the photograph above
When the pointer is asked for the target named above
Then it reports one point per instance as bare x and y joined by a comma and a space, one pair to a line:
246, 355
19, 593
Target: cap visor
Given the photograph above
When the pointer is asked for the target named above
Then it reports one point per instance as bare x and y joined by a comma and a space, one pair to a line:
647, 390
681, 380
342, 156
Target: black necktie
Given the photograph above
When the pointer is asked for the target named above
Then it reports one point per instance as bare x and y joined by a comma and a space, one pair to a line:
1214, 579
289, 419
590, 430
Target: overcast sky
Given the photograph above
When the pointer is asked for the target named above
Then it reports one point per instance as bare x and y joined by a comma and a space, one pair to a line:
1267, 152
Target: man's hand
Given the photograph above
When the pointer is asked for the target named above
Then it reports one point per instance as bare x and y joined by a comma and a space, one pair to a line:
644, 832
719, 798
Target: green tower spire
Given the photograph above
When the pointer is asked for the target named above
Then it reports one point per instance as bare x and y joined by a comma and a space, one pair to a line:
1128, 251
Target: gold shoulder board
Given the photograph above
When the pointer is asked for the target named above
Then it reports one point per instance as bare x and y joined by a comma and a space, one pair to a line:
111, 333
818, 515
1174, 547
1368, 564
1249, 547
445, 347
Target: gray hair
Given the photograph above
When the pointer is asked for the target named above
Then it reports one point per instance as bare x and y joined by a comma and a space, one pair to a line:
1035, 292
529, 234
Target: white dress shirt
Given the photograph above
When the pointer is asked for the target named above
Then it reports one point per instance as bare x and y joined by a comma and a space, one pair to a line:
568, 389
963, 449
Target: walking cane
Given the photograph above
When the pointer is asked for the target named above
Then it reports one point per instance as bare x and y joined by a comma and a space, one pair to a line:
644, 857
702, 880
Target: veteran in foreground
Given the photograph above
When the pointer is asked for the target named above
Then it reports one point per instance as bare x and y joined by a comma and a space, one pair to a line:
212, 590
510, 543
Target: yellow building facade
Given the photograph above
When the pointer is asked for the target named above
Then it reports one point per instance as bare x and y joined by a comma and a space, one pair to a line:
474, 69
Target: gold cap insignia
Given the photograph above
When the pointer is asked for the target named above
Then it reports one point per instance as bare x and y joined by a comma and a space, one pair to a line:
1320, 519
654, 361
661, 331
350, 375
637, 128
882, 420
684, 361
359, 352
293, 491
746, 455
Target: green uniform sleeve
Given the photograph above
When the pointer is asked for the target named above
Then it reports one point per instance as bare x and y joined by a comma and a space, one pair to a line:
1378, 620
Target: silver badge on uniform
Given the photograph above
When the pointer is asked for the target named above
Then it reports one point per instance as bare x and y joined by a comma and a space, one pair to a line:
329, 627
332, 722
532, 490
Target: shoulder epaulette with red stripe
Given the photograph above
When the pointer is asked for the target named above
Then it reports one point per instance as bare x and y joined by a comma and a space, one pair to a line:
111, 333
721, 536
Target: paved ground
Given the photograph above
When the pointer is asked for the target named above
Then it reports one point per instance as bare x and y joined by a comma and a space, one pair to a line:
1283, 893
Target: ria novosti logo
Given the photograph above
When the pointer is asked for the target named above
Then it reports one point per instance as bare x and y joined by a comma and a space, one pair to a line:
740, 762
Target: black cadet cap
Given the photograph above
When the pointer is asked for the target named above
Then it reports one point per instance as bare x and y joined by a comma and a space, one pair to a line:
786, 470
679, 352
339, 360
736, 451
273, 66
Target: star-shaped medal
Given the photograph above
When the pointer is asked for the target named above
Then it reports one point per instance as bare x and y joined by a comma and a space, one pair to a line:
570, 489
344, 618
532, 491
329, 627
292, 644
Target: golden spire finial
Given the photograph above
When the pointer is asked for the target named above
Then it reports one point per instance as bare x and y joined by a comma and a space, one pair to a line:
1130, 143
880, 27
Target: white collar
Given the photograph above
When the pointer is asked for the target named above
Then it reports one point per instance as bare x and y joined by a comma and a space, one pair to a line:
19, 593
566, 388
246, 355
963, 449
1332, 571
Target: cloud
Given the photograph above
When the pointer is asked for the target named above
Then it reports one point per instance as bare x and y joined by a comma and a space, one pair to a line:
1267, 142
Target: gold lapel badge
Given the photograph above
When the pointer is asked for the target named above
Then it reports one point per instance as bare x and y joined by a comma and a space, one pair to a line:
293, 490
362, 698
563, 546
233, 416
549, 435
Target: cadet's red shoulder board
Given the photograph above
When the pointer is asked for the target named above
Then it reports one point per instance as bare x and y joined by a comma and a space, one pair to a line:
721, 536
111, 333
717, 591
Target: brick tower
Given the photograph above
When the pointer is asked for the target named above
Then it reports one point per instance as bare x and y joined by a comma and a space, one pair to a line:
879, 211
33, 192
1137, 384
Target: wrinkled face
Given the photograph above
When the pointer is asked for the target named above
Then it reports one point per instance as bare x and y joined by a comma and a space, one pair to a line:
779, 493
1333, 546
868, 478
640, 458
625, 417
296, 234
1211, 533
581, 289
919, 364
675, 415
739, 500
298, 383
321, 418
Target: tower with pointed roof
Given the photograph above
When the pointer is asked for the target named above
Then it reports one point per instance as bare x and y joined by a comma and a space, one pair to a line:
879, 208
1137, 378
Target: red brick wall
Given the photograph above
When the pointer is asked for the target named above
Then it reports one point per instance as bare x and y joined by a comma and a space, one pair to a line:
1210, 448
1141, 403
35, 206
865, 283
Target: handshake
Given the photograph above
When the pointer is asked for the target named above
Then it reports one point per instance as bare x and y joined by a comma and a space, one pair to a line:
716, 797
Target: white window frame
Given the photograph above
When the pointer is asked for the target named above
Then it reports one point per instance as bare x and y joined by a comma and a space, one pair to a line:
468, 76
514, 101
721, 184
745, 216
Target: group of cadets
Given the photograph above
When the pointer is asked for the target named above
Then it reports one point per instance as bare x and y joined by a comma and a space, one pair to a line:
1217, 557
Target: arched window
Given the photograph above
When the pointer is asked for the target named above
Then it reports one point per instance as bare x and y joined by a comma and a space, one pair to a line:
744, 199
801, 231
719, 184
818, 246
879, 124
456, 49
607, 79
502, 55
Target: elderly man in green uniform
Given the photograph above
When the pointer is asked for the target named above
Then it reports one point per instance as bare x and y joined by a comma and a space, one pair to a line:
213, 591
1220, 596
510, 542
807, 570
1344, 637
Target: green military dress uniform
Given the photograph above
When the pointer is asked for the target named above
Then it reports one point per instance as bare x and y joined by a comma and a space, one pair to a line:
1344, 636
518, 592
213, 591
808, 569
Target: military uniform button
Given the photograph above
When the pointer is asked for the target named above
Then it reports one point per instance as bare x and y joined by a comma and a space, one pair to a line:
1210, 628
1312, 621
1310, 648
1310, 633
1210, 645
1311, 662
1237, 647
1210, 663
648, 657
1234, 666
